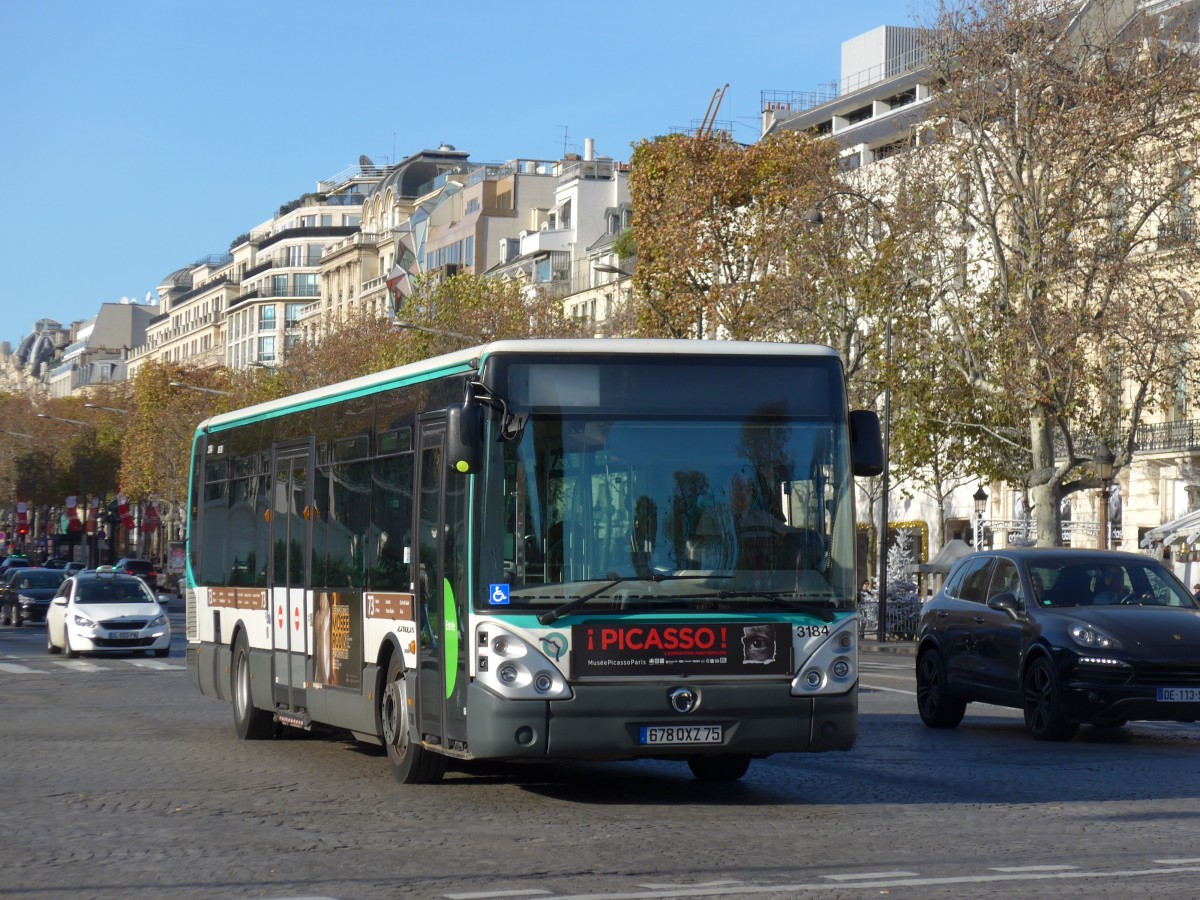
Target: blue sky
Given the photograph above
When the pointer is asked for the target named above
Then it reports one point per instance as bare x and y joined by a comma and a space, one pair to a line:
141, 135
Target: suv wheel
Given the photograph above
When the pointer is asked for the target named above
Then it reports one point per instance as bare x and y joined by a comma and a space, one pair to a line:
937, 708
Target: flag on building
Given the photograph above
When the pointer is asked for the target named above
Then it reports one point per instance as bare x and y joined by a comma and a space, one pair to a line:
123, 511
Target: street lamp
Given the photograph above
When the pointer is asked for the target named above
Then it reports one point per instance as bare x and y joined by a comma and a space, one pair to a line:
612, 270
981, 498
411, 326
1103, 461
111, 409
202, 390
68, 421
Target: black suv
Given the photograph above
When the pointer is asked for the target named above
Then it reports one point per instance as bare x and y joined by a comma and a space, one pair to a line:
1066, 635
142, 568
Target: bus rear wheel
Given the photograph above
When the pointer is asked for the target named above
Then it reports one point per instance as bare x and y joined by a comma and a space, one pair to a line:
250, 723
720, 768
411, 763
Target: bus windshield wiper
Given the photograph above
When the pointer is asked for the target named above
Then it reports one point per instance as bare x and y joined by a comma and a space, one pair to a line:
784, 599
554, 615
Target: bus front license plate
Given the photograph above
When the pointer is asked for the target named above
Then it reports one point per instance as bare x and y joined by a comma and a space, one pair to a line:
679, 734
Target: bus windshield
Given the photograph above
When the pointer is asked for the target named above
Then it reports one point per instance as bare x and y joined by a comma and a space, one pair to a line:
682, 513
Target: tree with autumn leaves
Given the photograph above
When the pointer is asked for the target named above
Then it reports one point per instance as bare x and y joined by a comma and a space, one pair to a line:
1019, 277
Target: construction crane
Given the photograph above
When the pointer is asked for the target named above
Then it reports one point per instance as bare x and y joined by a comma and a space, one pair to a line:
710, 115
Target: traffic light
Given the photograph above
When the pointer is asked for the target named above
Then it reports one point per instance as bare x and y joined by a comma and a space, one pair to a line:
22, 530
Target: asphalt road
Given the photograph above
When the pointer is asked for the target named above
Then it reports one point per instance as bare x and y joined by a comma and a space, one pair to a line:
119, 781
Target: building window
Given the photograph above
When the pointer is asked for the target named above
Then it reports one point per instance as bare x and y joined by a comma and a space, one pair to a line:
307, 285
266, 349
266, 318
291, 315
279, 286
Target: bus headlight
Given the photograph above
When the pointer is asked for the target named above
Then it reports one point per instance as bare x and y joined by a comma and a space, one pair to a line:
514, 668
832, 666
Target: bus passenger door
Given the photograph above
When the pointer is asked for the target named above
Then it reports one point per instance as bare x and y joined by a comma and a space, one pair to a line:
291, 543
441, 592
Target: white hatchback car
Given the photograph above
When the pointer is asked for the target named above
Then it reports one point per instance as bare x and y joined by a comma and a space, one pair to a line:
105, 611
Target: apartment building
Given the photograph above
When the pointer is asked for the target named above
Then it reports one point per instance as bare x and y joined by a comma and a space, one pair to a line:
243, 307
354, 270
566, 246
24, 370
99, 348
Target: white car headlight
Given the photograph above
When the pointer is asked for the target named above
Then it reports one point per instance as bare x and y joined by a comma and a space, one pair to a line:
1092, 637
84, 621
160, 620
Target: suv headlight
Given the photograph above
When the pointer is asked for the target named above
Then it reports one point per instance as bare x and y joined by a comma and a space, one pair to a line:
1090, 636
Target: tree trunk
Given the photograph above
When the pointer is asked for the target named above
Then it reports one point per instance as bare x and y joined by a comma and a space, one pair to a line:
1045, 485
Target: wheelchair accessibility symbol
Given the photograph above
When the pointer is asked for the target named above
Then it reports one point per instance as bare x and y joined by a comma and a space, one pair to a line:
498, 594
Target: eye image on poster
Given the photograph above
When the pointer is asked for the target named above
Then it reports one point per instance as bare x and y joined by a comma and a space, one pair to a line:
337, 639
758, 645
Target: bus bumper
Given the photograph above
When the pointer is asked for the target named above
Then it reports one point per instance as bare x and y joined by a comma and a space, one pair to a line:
606, 721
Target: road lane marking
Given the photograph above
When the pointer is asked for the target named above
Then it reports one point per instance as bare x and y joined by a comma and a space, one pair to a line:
78, 665
153, 664
483, 895
859, 876
876, 687
1033, 868
14, 669
823, 887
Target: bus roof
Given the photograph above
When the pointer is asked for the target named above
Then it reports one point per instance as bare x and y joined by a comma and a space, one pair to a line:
472, 358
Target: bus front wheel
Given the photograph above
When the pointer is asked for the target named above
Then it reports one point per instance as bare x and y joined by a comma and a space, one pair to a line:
411, 763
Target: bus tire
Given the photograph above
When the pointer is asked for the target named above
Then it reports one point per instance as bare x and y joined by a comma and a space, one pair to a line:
411, 763
251, 724
720, 768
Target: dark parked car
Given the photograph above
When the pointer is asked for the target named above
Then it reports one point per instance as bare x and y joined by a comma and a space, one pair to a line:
141, 568
6, 576
1067, 636
13, 562
27, 594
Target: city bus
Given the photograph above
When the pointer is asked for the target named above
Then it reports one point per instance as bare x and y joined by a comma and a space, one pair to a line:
540, 550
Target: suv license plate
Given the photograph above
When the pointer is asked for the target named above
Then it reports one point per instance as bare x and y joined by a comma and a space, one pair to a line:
679, 734
1179, 695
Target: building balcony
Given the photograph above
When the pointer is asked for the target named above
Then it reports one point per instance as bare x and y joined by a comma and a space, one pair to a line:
1168, 437
310, 311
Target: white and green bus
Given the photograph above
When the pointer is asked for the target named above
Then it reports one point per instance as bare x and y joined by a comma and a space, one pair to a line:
540, 549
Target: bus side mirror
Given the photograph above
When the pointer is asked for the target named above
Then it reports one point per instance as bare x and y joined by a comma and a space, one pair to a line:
866, 443
464, 436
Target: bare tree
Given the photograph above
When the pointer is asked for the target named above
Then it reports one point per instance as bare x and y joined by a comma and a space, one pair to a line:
1065, 147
